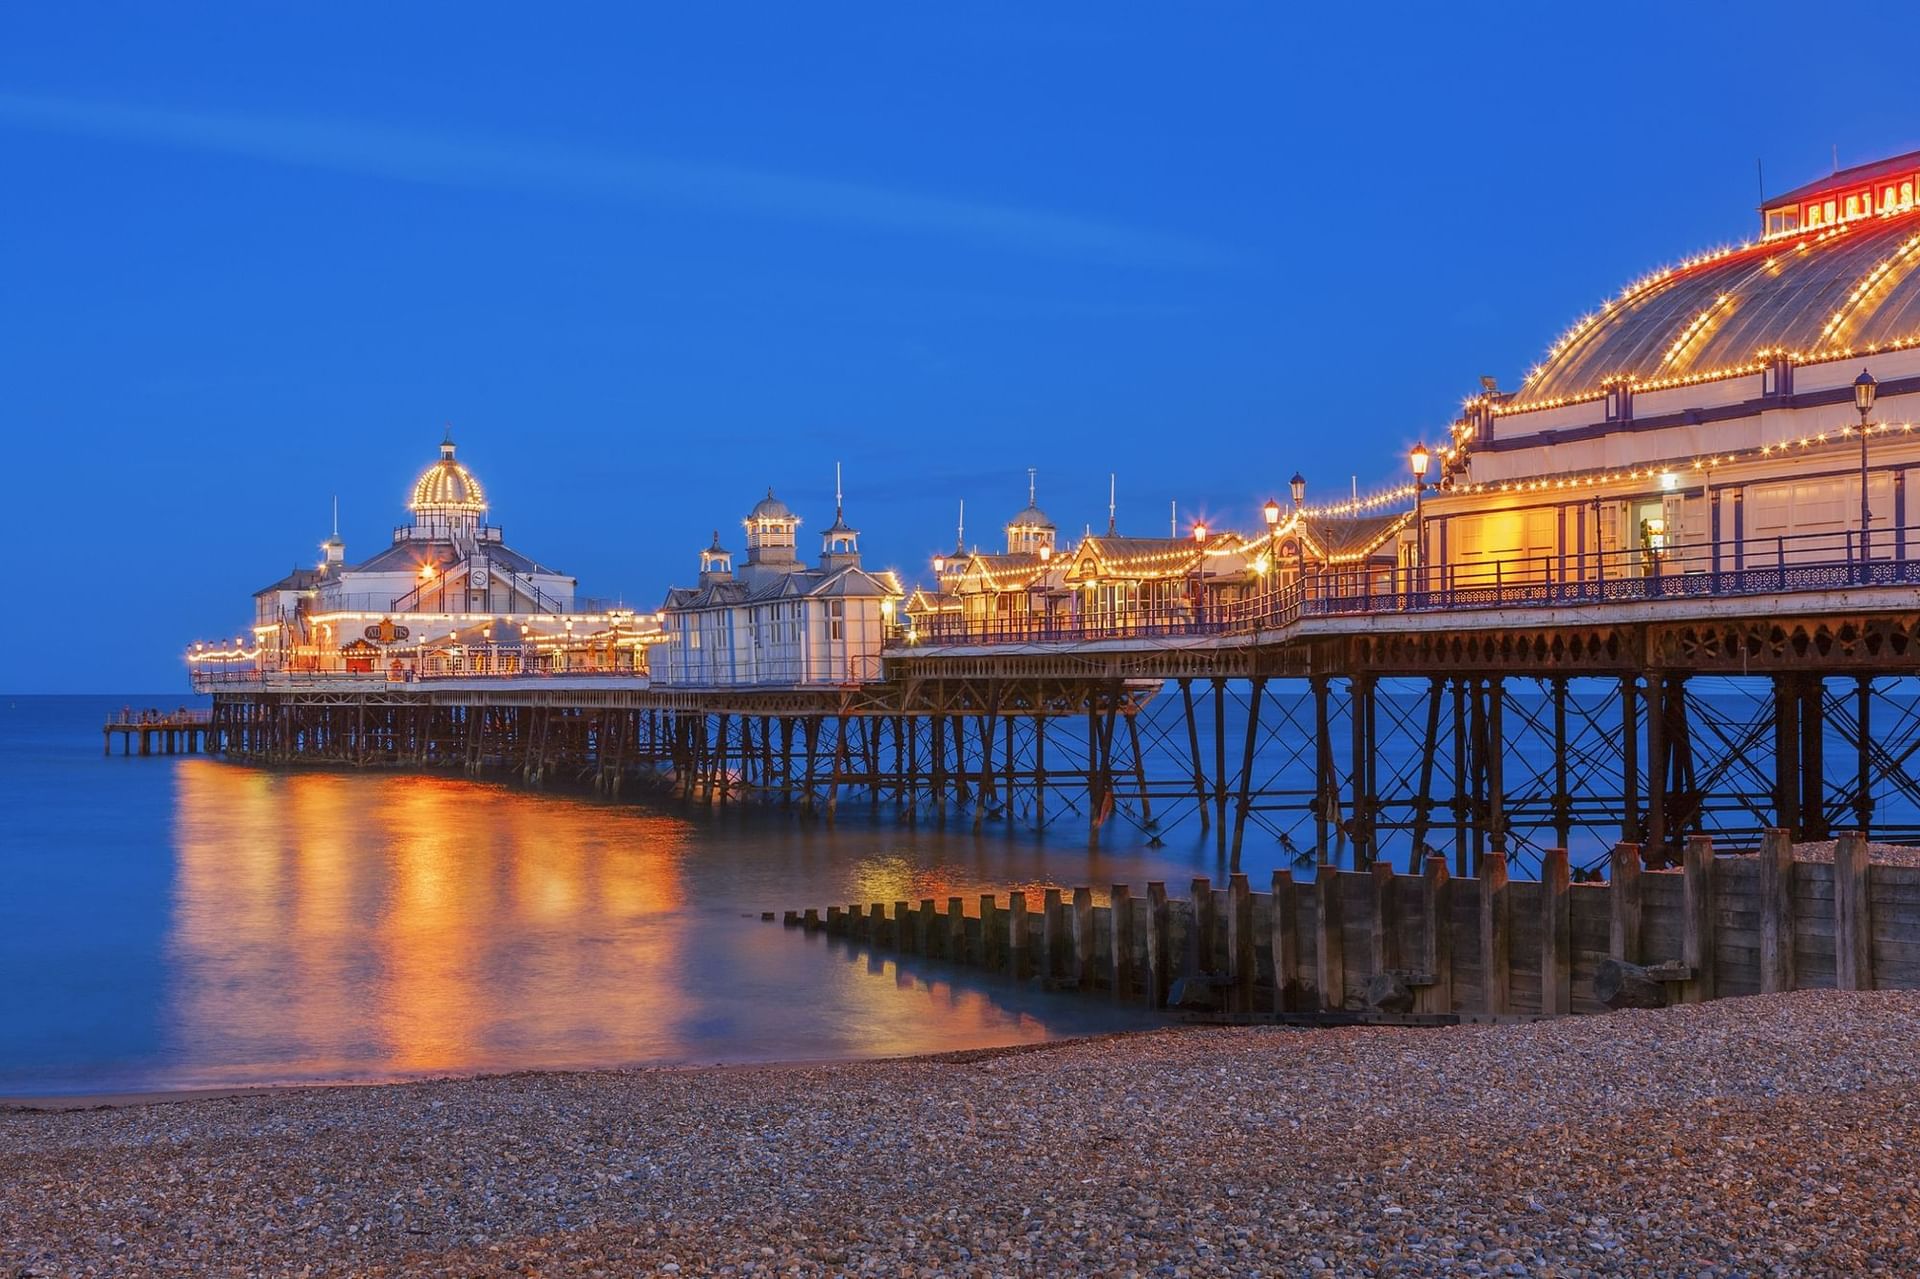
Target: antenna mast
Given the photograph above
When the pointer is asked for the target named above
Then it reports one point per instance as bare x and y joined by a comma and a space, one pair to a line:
1112, 489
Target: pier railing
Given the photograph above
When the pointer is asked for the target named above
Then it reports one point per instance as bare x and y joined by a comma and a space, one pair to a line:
1780, 565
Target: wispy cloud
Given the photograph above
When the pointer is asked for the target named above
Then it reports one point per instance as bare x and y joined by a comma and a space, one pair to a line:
560, 169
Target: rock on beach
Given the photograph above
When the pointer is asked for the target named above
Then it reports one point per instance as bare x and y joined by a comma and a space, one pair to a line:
1767, 1136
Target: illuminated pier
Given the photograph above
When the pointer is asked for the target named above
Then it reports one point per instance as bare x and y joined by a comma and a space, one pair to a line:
1664, 588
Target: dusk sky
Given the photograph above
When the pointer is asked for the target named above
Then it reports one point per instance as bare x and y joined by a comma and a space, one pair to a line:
648, 261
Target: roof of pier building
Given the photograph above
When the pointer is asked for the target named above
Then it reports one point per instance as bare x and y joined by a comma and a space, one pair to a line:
1832, 273
1335, 538
447, 487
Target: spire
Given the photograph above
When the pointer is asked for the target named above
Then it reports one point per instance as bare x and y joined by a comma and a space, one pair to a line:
837, 497
336, 515
1031, 473
960, 535
1113, 489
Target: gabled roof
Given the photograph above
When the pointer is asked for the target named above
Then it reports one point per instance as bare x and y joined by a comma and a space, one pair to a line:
1148, 557
1345, 536
925, 601
1011, 571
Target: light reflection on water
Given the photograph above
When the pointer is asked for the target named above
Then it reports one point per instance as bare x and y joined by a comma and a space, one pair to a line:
180, 922
328, 925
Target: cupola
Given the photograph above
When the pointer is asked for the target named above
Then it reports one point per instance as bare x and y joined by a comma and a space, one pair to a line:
716, 563
771, 532
1031, 532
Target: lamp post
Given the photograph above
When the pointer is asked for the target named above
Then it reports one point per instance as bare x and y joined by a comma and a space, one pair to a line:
1864, 389
1271, 514
1419, 460
1298, 484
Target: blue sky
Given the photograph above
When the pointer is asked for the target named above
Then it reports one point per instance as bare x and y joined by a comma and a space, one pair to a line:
649, 260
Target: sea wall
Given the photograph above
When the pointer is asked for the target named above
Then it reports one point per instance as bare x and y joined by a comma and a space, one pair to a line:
1442, 946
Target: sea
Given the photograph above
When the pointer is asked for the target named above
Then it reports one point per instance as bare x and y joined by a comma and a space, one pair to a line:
178, 922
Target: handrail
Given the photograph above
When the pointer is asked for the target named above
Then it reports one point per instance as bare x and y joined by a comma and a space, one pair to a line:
1781, 564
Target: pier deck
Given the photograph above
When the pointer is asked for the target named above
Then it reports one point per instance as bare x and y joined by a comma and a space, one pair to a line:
177, 732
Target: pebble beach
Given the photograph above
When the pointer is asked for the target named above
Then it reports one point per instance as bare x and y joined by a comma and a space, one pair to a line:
1774, 1135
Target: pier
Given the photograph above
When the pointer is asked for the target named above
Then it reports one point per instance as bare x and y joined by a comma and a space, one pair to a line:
175, 732
1666, 587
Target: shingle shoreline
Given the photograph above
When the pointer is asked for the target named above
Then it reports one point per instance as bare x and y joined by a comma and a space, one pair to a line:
1774, 1135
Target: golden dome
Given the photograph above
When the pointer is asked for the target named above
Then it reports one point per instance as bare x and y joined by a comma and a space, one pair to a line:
447, 488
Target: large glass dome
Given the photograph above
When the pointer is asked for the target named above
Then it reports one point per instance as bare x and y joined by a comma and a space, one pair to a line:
1840, 290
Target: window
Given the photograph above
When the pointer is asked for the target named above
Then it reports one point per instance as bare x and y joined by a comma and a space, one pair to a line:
836, 619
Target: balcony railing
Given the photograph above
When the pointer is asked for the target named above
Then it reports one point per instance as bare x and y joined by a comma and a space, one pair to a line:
1792, 564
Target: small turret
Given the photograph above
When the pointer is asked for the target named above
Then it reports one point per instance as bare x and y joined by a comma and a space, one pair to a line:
840, 544
1031, 532
716, 563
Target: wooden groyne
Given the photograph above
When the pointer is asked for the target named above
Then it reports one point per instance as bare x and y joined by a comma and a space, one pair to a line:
1437, 946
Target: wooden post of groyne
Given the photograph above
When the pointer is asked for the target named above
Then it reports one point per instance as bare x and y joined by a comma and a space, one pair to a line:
1486, 947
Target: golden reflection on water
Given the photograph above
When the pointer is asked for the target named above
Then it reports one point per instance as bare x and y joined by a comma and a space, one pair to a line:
328, 925
416, 925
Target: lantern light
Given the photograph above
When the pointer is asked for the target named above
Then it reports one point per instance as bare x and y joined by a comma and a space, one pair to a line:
1419, 459
1271, 511
1199, 532
1864, 389
1299, 486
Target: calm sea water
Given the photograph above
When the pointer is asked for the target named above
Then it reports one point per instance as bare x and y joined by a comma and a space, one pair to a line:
181, 922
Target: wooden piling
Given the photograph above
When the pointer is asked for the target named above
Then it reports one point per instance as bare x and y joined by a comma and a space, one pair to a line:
1052, 936
1852, 914
1776, 912
1623, 878
1285, 942
957, 929
1496, 933
925, 940
1121, 921
1200, 943
1083, 938
1242, 963
992, 935
1384, 938
1556, 934
1696, 918
1017, 935
1158, 921
1329, 947
1436, 898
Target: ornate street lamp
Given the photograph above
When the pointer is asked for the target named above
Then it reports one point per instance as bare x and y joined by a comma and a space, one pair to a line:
1299, 486
1864, 389
1418, 460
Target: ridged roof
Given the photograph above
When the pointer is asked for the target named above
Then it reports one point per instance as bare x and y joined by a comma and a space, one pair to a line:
1844, 289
